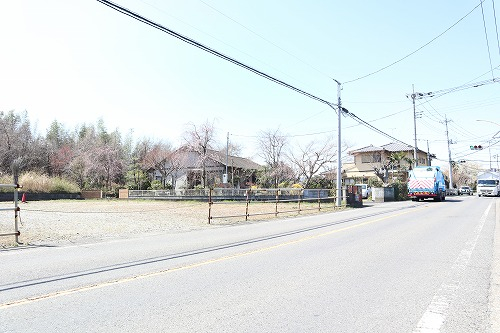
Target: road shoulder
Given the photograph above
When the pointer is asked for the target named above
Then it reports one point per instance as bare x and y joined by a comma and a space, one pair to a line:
495, 275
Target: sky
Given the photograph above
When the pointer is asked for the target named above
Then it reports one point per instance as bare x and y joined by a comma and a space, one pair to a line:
79, 61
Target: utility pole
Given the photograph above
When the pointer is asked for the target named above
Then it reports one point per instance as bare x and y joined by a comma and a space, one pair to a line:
339, 147
225, 177
414, 125
489, 152
428, 154
446, 121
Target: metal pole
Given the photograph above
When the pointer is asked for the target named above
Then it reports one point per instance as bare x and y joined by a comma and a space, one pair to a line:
339, 147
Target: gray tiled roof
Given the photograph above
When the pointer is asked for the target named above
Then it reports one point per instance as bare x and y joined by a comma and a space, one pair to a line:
397, 147
367, 149
234, 161
390, 147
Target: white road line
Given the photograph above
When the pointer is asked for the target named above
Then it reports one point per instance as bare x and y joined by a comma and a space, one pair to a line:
494, 305
437, 311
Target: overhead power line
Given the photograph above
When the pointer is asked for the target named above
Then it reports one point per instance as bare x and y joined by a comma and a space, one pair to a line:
364, 123
205, 48
439, 93
188, 40
265, 39
496, 25
420, 48
487, 41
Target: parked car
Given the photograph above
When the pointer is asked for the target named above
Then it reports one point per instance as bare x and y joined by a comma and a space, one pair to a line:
464, 190
365, 190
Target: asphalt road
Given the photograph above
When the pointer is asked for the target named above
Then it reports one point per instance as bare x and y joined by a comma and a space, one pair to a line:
390, 267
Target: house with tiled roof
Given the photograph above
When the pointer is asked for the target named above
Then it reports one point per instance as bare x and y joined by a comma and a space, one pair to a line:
241, 172
370, 160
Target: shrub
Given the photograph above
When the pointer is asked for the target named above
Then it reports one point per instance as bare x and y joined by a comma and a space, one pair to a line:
375, 182
284, 184
156, 185
400, 190
322, 182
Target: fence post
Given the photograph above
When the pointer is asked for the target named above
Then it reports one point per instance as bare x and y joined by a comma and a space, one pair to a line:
344, 195
300, 197
248, 201
319, 201
16, 207
209, 205
15, 172
277, 200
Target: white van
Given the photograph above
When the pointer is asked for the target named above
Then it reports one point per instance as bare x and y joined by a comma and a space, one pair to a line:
365, 190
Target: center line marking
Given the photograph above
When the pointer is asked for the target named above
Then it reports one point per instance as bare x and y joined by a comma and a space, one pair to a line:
33, 299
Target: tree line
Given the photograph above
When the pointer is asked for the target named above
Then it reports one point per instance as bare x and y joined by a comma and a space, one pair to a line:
95, 158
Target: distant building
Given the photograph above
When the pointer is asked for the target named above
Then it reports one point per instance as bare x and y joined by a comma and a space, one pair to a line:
370, 160
188, 173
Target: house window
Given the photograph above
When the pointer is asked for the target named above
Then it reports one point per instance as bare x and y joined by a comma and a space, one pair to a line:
371, 158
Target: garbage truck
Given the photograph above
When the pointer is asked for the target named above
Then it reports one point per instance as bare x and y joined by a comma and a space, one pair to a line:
488, 183
426, 182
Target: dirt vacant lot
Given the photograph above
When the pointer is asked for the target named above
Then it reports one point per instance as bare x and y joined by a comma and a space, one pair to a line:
83, 221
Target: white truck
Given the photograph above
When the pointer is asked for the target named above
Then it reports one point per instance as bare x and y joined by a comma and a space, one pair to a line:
488, 183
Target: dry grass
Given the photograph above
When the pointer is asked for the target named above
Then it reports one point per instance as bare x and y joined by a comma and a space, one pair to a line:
39, 183
77, 221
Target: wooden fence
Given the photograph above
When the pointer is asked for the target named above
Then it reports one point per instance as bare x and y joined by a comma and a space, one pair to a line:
244, 197
272, 197
15, 209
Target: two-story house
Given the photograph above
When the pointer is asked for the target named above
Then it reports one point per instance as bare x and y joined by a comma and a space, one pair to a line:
374, 161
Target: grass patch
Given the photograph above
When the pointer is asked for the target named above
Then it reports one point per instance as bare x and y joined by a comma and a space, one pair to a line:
39, 183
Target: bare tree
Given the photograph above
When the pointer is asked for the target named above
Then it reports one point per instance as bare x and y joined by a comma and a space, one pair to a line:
272, 144
464, 173
164, 159
100, 157
200, 139
60, 160
18, 141
113, 159
78, 170
60, 149
231, 148
315, 157
108, 164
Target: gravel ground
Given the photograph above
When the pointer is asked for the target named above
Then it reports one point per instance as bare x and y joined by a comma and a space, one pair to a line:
83, 221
